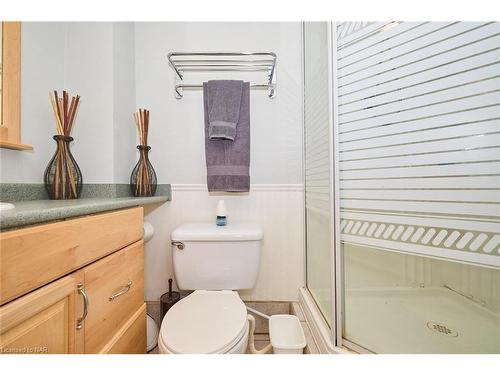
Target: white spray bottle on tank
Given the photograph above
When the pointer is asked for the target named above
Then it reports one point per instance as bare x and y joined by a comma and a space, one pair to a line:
220, 212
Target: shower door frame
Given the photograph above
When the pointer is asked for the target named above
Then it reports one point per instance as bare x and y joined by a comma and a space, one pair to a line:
335, 342
337, 250
338, 281
331, 338
334, 330
338, 269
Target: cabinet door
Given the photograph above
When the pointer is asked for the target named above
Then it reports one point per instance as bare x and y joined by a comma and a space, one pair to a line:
131, 338
115, 288
45, 320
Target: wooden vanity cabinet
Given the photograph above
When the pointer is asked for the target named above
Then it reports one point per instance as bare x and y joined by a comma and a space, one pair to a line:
97, 308
44, 321
115, 289
131, 338
33, 256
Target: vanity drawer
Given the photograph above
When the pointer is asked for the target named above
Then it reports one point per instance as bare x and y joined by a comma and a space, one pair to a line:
32, 257
115, 289
131, 339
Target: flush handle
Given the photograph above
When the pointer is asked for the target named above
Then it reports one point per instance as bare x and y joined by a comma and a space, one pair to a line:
178, 244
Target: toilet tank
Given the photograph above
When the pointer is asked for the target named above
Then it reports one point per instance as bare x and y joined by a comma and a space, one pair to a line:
209, 257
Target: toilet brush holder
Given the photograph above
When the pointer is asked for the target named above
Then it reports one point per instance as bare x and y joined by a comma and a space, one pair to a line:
168, 299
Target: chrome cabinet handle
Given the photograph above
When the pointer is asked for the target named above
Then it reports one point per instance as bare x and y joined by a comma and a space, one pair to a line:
79, 321
125, 289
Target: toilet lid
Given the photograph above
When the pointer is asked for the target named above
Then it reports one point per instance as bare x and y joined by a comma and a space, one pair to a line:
204, 322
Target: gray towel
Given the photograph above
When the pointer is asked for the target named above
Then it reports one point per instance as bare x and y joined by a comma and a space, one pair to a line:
224, 112
228, 162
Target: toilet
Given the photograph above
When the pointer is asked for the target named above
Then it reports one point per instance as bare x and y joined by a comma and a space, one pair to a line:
214, 262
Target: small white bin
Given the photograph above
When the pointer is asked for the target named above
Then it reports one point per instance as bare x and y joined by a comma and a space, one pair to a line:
286, 334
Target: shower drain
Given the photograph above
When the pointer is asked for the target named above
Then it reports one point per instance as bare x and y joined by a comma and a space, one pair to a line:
442, 329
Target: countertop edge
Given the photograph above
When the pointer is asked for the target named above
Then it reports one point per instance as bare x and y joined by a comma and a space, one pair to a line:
21, 217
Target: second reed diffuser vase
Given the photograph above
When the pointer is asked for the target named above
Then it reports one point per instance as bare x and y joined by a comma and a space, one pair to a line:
63, 178
143, 177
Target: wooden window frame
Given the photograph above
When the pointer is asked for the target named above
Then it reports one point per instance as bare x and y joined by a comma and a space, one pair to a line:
10, 129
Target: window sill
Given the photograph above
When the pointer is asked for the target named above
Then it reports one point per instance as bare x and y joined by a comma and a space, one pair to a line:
15, 146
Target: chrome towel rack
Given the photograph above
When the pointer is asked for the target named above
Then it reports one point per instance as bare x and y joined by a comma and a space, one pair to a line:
184, 62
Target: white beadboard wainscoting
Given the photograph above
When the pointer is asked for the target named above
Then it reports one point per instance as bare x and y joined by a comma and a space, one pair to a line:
278, 208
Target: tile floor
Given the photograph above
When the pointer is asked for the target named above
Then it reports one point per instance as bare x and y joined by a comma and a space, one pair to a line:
261, 326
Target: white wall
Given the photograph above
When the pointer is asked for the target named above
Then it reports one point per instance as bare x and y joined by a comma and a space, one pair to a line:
88, 71
276, 129
176, 138
125, 138
117, 67
96, 61
42, 67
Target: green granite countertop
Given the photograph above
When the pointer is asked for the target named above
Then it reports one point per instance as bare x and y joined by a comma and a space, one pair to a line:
29, 212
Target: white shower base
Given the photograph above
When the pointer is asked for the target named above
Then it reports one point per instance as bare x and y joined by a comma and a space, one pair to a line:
395, 320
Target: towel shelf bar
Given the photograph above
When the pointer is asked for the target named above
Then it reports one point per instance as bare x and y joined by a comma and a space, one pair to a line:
223, 68
218, 61
183, 62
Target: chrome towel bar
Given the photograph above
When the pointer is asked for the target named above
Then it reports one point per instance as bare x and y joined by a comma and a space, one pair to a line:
183, 62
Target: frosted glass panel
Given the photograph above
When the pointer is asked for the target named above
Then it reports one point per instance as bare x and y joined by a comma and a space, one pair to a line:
419, 178
397, 303
419, 138
317, 134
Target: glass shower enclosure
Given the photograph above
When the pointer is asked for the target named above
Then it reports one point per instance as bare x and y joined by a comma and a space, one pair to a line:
406, 258
318, 172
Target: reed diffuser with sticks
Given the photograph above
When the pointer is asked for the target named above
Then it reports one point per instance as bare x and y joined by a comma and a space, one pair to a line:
63, 178
143, 177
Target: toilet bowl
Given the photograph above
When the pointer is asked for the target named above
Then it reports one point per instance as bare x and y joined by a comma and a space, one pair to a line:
214, 262
205, 322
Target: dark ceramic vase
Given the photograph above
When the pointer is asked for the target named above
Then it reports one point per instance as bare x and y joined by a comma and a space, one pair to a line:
63, 178
143, 177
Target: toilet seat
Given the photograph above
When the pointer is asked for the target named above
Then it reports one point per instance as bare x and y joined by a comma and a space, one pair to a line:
205, 322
